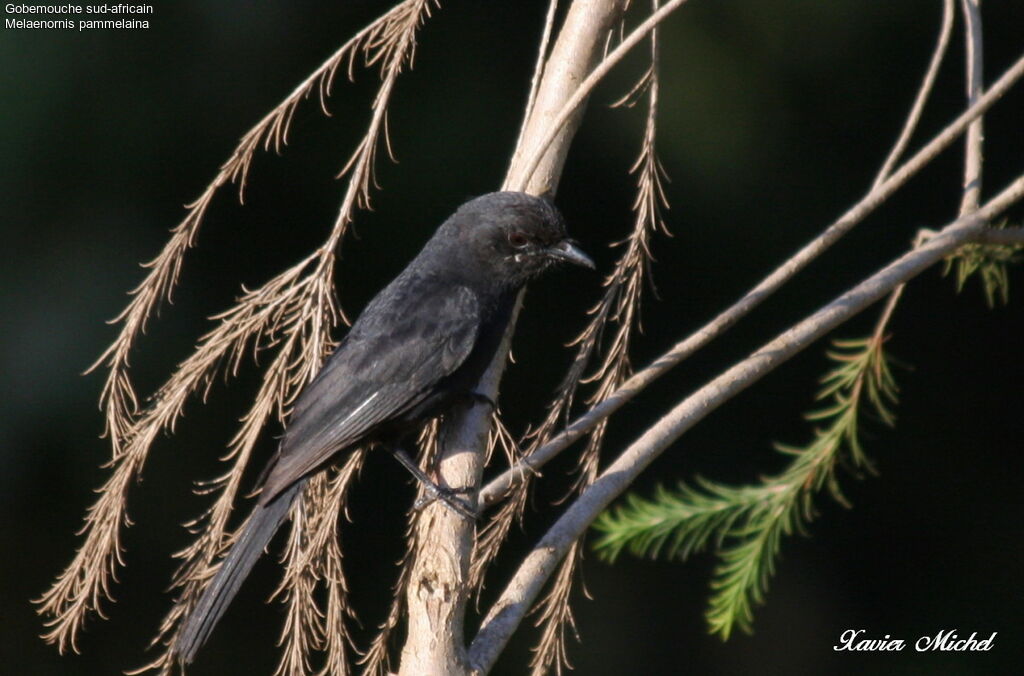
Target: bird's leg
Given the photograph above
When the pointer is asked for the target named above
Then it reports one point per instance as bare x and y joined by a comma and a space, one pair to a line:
431, 486
432, 490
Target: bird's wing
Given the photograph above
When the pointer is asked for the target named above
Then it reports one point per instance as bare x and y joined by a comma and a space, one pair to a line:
389, 363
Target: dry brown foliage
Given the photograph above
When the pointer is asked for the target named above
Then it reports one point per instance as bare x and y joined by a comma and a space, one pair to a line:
292, 316
292, 313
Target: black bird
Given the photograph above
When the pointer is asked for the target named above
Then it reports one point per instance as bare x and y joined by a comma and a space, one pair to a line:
417, 350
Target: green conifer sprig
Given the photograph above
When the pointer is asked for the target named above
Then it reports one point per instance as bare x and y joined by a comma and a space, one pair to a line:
989, 262
746, 524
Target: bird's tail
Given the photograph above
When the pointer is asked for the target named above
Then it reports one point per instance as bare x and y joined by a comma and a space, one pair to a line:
216, 598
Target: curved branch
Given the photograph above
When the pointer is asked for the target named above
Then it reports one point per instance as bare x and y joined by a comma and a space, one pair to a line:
922, 93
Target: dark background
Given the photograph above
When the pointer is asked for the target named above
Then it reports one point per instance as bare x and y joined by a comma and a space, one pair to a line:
775, 117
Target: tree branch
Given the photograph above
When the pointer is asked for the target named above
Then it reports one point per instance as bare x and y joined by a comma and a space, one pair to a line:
1002, 236
878, 194
517, 597
922, 93
975, 133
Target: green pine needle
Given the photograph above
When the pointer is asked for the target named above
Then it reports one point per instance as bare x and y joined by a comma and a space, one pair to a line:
746, 524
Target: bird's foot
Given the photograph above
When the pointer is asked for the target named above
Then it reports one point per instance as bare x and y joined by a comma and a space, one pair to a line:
432, 492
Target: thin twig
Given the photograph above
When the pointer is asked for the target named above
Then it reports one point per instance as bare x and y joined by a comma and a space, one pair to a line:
922, 94
913, 118
538, 68
973, 49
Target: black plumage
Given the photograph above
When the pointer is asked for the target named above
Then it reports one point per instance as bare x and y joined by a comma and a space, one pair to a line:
418, 348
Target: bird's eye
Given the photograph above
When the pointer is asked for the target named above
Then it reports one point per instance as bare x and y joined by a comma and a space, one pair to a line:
517, 239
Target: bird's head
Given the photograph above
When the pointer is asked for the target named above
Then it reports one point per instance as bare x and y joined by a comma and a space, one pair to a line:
514, 237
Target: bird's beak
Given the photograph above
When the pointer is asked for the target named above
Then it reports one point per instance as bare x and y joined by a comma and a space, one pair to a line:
566, 250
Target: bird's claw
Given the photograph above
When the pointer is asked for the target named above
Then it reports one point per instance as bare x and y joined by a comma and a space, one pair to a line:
432, 492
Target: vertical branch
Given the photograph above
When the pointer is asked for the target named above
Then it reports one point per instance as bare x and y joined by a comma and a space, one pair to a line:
975, 82
536, 165
377, 658
545, 150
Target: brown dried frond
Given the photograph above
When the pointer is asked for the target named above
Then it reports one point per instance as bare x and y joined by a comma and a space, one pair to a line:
493, 534
427, 443
305, 342
118, 398
314, 555
495, 531
83, 582
490, 538
501, 438
392, 48
295, 311
303, 631
86, 581
274, 308
620, 306
555, 615
337, 639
